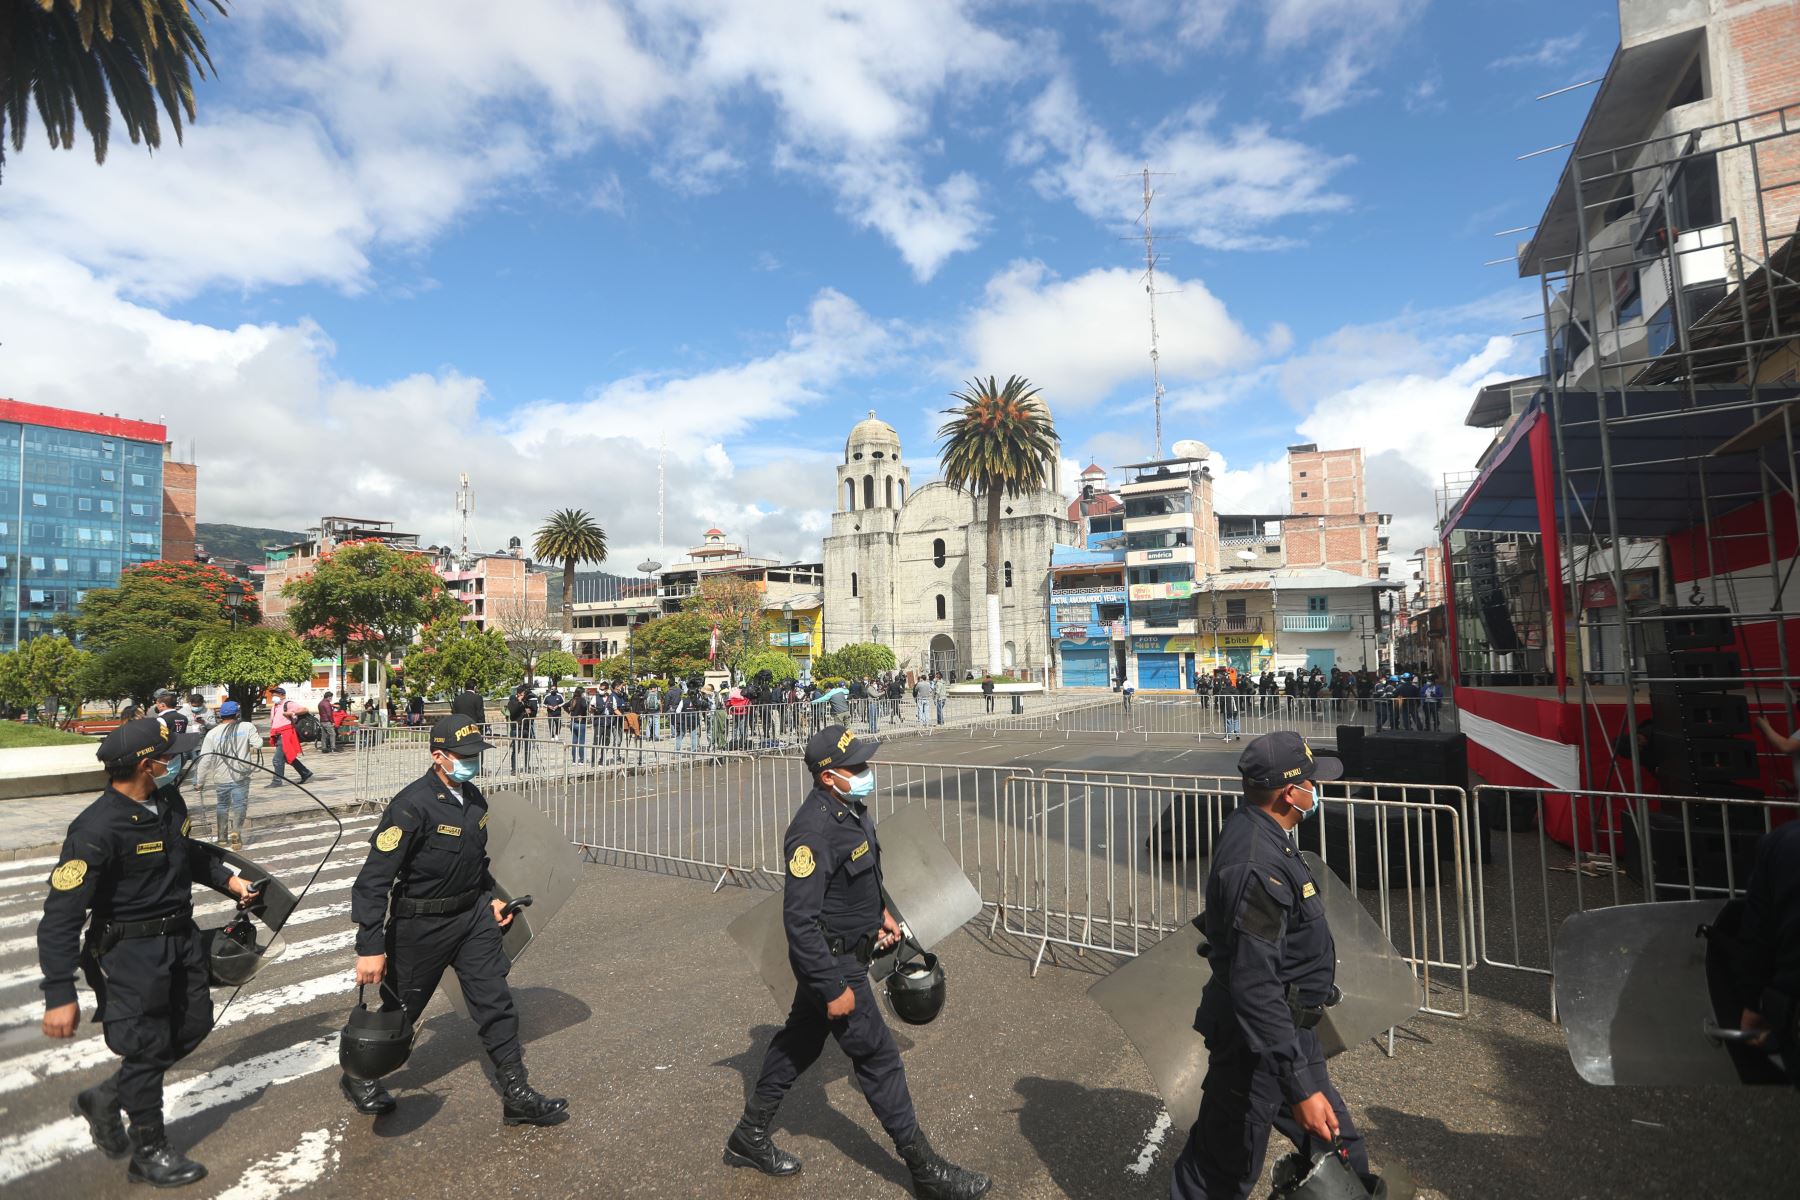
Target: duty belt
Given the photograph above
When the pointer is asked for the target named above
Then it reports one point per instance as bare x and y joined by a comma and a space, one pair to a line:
862, 947
461, 902
1308, 1016
110, 934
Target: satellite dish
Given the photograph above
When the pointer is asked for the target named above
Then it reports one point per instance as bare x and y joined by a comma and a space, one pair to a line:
1191, 449
1247, 555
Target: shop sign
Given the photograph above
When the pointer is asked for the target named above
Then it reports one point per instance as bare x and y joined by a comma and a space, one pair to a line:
1157, 644
1159, 555
1163, 591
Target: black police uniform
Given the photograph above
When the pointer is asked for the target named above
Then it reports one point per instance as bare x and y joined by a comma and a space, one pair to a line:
1273, 963
1765, 956
429, 852
135, 869
832, 909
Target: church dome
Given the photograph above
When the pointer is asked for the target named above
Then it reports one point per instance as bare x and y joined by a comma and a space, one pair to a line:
871, 436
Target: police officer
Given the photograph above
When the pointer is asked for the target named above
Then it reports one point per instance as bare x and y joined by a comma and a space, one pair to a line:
1765, 955
424, 901
1273, 965
128, 860
836, 920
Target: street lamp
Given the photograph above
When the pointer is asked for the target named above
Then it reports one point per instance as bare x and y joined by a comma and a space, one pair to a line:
787, 624
649, 567
234, 596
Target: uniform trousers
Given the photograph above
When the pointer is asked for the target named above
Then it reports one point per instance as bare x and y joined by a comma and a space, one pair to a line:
421, 948
155, 1009
1240, 1101
864, 1036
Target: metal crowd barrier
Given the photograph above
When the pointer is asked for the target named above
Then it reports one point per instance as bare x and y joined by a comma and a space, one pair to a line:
1200, 718
1557, 853
1114, 861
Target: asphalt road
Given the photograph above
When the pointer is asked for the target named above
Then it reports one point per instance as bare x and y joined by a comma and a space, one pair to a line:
638, 1008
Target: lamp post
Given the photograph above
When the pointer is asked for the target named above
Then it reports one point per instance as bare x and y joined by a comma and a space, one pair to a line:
649, 567
787, 622
234, 597
744, 641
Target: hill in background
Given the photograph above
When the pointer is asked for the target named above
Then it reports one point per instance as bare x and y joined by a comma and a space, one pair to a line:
242, 542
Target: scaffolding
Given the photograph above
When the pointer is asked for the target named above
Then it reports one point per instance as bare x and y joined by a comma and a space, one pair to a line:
1692, 405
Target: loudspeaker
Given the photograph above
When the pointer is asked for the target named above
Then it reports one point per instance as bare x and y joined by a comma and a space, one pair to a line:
1687, 629
1350, 750
1713, 834
1355, 832
1697, 668
1690, 713
1438, 758
1693, 765
1496, 618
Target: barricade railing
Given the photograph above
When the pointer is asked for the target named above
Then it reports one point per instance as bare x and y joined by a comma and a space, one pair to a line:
1201, 717
1114, 861
1560, 852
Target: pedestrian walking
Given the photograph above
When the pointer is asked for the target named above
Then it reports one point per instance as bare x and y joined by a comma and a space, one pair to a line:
285, 738
987, 690
227, 758
580, 709
940, 696
653, 706
836, 920
127, 872
1431, 701
424, 902
1274, 965
519, 724
199, 719
327, 725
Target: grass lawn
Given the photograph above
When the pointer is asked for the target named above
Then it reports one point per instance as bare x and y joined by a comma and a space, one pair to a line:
14, 735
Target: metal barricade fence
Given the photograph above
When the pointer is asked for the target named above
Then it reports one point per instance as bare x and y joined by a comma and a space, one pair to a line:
1557, 853
1114, 861
1200, 718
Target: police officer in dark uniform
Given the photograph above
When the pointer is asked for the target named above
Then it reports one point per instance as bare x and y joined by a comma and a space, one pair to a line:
1273, 964
1765, 955
424, 901
836, 921
128, 860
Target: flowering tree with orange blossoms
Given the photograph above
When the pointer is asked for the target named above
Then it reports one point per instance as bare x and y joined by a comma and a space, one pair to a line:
165, 601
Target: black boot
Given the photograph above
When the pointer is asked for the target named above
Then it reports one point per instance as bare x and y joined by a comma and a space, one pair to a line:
155, 1162
938, 1179
523, 1104
367, 1095
100, 1106
751, 1146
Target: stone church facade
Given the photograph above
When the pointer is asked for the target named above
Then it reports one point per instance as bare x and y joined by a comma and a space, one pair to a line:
908, 568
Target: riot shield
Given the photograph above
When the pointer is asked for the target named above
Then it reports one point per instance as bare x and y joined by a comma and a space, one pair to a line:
1631, 991
248, 952
926, 891
527, 856
275, 902
1154, 997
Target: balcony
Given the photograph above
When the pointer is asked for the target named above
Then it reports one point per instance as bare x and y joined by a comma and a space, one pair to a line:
1232, 624
1088, 595
1318, 623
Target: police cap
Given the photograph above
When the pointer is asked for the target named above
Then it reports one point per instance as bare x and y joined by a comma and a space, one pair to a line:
146, 737
1277, 760
458, 735
837, 748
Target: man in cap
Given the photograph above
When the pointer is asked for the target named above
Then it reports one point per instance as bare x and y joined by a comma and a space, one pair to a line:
428, 854
836, 921
1273, 966
127, 858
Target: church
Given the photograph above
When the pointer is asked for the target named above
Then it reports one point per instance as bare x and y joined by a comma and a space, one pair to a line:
908, 569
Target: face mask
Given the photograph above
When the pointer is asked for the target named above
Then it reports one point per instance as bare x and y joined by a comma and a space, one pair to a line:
1309, 812
167, 777
465, 769
860, 785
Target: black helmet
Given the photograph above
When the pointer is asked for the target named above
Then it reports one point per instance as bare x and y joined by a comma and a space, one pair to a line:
916, 988
1327, 1177
374, 1043
232, 955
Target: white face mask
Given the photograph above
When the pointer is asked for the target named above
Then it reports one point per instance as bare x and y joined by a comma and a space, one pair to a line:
1311, 809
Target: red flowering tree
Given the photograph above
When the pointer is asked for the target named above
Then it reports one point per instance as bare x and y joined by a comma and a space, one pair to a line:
368, 595
161, 601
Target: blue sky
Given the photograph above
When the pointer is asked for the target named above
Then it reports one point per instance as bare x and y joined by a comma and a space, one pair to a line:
554, 241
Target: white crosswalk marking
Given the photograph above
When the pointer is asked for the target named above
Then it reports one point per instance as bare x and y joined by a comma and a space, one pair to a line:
291, 1169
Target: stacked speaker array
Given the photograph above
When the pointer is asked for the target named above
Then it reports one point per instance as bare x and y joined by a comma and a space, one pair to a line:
1490, 596
1700, 719
1436, 758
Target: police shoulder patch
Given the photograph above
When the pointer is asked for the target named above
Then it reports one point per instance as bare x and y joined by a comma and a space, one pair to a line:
186, 826
483, 825
1308, 891
801, 863
388, 839
68, 877
859, 851
149, 847
451, 830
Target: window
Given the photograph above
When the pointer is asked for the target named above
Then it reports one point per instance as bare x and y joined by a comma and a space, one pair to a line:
143, 539
1318, 604
849, 495
4, 562
889, 488
1660, 331
37, 564
39, 500
1303, 495
108, 475
1628, 298
106, 506
38, 596
1235, 608
1008, 582
940, 608
62, 564
937, 552
137, 479
868, 491
84, 534
85, 504
1303, 474
853, 583
139, 510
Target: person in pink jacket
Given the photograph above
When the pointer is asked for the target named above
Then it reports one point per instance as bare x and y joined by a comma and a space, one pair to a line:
282, 736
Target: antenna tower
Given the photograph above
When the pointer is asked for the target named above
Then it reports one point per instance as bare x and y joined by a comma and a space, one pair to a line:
465, 508
1150, 291
662, 454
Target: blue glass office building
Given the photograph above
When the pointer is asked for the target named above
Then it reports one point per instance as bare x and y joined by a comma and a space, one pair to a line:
81, 498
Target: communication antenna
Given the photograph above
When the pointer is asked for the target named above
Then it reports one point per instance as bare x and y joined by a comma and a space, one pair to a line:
1151, 292
465, 508
662, 455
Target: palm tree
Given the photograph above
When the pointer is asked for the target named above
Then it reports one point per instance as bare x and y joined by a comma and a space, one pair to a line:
71, 53
999, 442
571, 536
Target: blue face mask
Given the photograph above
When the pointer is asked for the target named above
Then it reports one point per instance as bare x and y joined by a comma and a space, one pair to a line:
861, 785
1306, 814
168, 776
465, 769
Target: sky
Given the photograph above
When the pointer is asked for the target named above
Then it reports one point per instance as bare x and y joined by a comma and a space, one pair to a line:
557, 244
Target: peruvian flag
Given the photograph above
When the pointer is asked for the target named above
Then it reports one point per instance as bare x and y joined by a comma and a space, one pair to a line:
712, 651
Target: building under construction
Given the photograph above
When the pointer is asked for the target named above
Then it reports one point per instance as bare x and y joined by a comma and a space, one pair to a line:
1623, 559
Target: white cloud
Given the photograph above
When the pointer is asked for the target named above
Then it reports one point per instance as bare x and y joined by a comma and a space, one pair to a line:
1220, 189
1161, 31
1550, 52
1356, 34
1081, 338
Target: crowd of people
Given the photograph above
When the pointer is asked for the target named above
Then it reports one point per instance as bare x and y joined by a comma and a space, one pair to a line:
1405, 700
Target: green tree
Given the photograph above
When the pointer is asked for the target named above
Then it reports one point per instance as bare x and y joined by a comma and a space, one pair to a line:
132, 670
369, 595
782, 667
858, 660
166, 601
735, 607
452, 654
246, 661
570, 536
999, 442
45, 671
672, 647
71, 53
558, 665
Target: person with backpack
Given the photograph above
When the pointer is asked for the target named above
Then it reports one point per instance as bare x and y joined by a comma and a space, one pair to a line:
987, 689
227, 757
168, 712
553, 708
327, 725
578, 726
653, 705
520, 726
283, 713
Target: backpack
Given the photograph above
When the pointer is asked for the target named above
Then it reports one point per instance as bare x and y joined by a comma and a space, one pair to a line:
306, 726
653, 701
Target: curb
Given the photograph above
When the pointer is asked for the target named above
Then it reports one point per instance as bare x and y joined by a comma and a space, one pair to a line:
342, 808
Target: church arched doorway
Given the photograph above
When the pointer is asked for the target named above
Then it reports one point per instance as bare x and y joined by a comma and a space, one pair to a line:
943, 656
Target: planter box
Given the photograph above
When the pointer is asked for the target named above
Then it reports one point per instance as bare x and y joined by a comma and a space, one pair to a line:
50, 771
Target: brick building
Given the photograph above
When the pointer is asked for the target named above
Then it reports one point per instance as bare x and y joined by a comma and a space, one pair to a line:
1329, 524
180, 501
